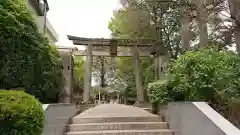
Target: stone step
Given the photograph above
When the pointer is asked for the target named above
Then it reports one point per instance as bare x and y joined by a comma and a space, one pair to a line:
123, 132
118, 126
82, 120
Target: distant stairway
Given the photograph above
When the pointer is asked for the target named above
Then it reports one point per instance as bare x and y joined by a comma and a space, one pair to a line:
116, 119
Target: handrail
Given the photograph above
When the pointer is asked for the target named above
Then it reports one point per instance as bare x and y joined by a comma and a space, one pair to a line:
223, 124
45, 106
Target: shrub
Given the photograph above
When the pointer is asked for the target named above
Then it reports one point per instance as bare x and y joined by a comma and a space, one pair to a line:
158, 92
206, 75
27, 59
209, 76
20, 114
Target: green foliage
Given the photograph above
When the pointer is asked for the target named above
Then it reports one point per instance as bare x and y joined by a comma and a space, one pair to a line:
158, 92
137, 19
206, 75
79, 73
27, 59
20, 114
125, 71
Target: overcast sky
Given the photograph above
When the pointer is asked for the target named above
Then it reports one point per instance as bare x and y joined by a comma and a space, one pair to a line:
84, 18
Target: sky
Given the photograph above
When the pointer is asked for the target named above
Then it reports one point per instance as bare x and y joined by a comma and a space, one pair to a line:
83, 18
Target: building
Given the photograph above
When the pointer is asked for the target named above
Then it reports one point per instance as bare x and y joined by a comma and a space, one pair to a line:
40, 8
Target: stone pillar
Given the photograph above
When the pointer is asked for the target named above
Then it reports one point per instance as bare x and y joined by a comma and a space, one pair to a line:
161, 67
103, 97
136, 63
88, 74
112, 68
65, 95
102, 72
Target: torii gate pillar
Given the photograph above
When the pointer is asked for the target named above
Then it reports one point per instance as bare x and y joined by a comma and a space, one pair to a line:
88, 74
136, 63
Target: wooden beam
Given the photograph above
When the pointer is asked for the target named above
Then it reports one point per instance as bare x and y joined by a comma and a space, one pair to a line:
145, 40
93, 42
107, 42
86, 39
106, 53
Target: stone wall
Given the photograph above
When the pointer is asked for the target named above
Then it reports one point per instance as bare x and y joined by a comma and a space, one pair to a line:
57, 118
196, 118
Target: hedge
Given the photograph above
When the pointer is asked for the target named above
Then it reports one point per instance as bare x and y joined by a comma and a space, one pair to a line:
158, 92
20, 114
206, 75
27, 60
210, 76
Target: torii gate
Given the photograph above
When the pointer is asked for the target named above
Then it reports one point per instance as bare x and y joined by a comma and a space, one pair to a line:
109, 48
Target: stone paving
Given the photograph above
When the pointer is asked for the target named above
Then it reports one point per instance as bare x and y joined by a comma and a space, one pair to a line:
115, 110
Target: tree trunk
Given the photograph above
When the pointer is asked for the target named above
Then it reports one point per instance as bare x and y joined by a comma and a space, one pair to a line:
184, 30
235, 15
202, 18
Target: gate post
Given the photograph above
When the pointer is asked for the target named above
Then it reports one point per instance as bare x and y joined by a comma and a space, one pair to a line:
88, 74
136, 63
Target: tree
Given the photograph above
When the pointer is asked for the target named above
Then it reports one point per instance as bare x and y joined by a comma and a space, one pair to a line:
234, 7
202, 20
27, 60
185, 24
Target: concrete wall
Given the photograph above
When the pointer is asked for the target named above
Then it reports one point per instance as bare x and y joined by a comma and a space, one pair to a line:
196, 118
51, 34
57, 117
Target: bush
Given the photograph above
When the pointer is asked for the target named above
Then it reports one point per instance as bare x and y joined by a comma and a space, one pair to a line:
206, 75
20, 114
209, 76
27, 60
158, 92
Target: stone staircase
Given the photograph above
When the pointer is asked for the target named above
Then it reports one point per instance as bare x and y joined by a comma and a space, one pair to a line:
115, 119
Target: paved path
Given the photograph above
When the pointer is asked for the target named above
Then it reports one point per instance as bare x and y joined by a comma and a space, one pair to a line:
115, 110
